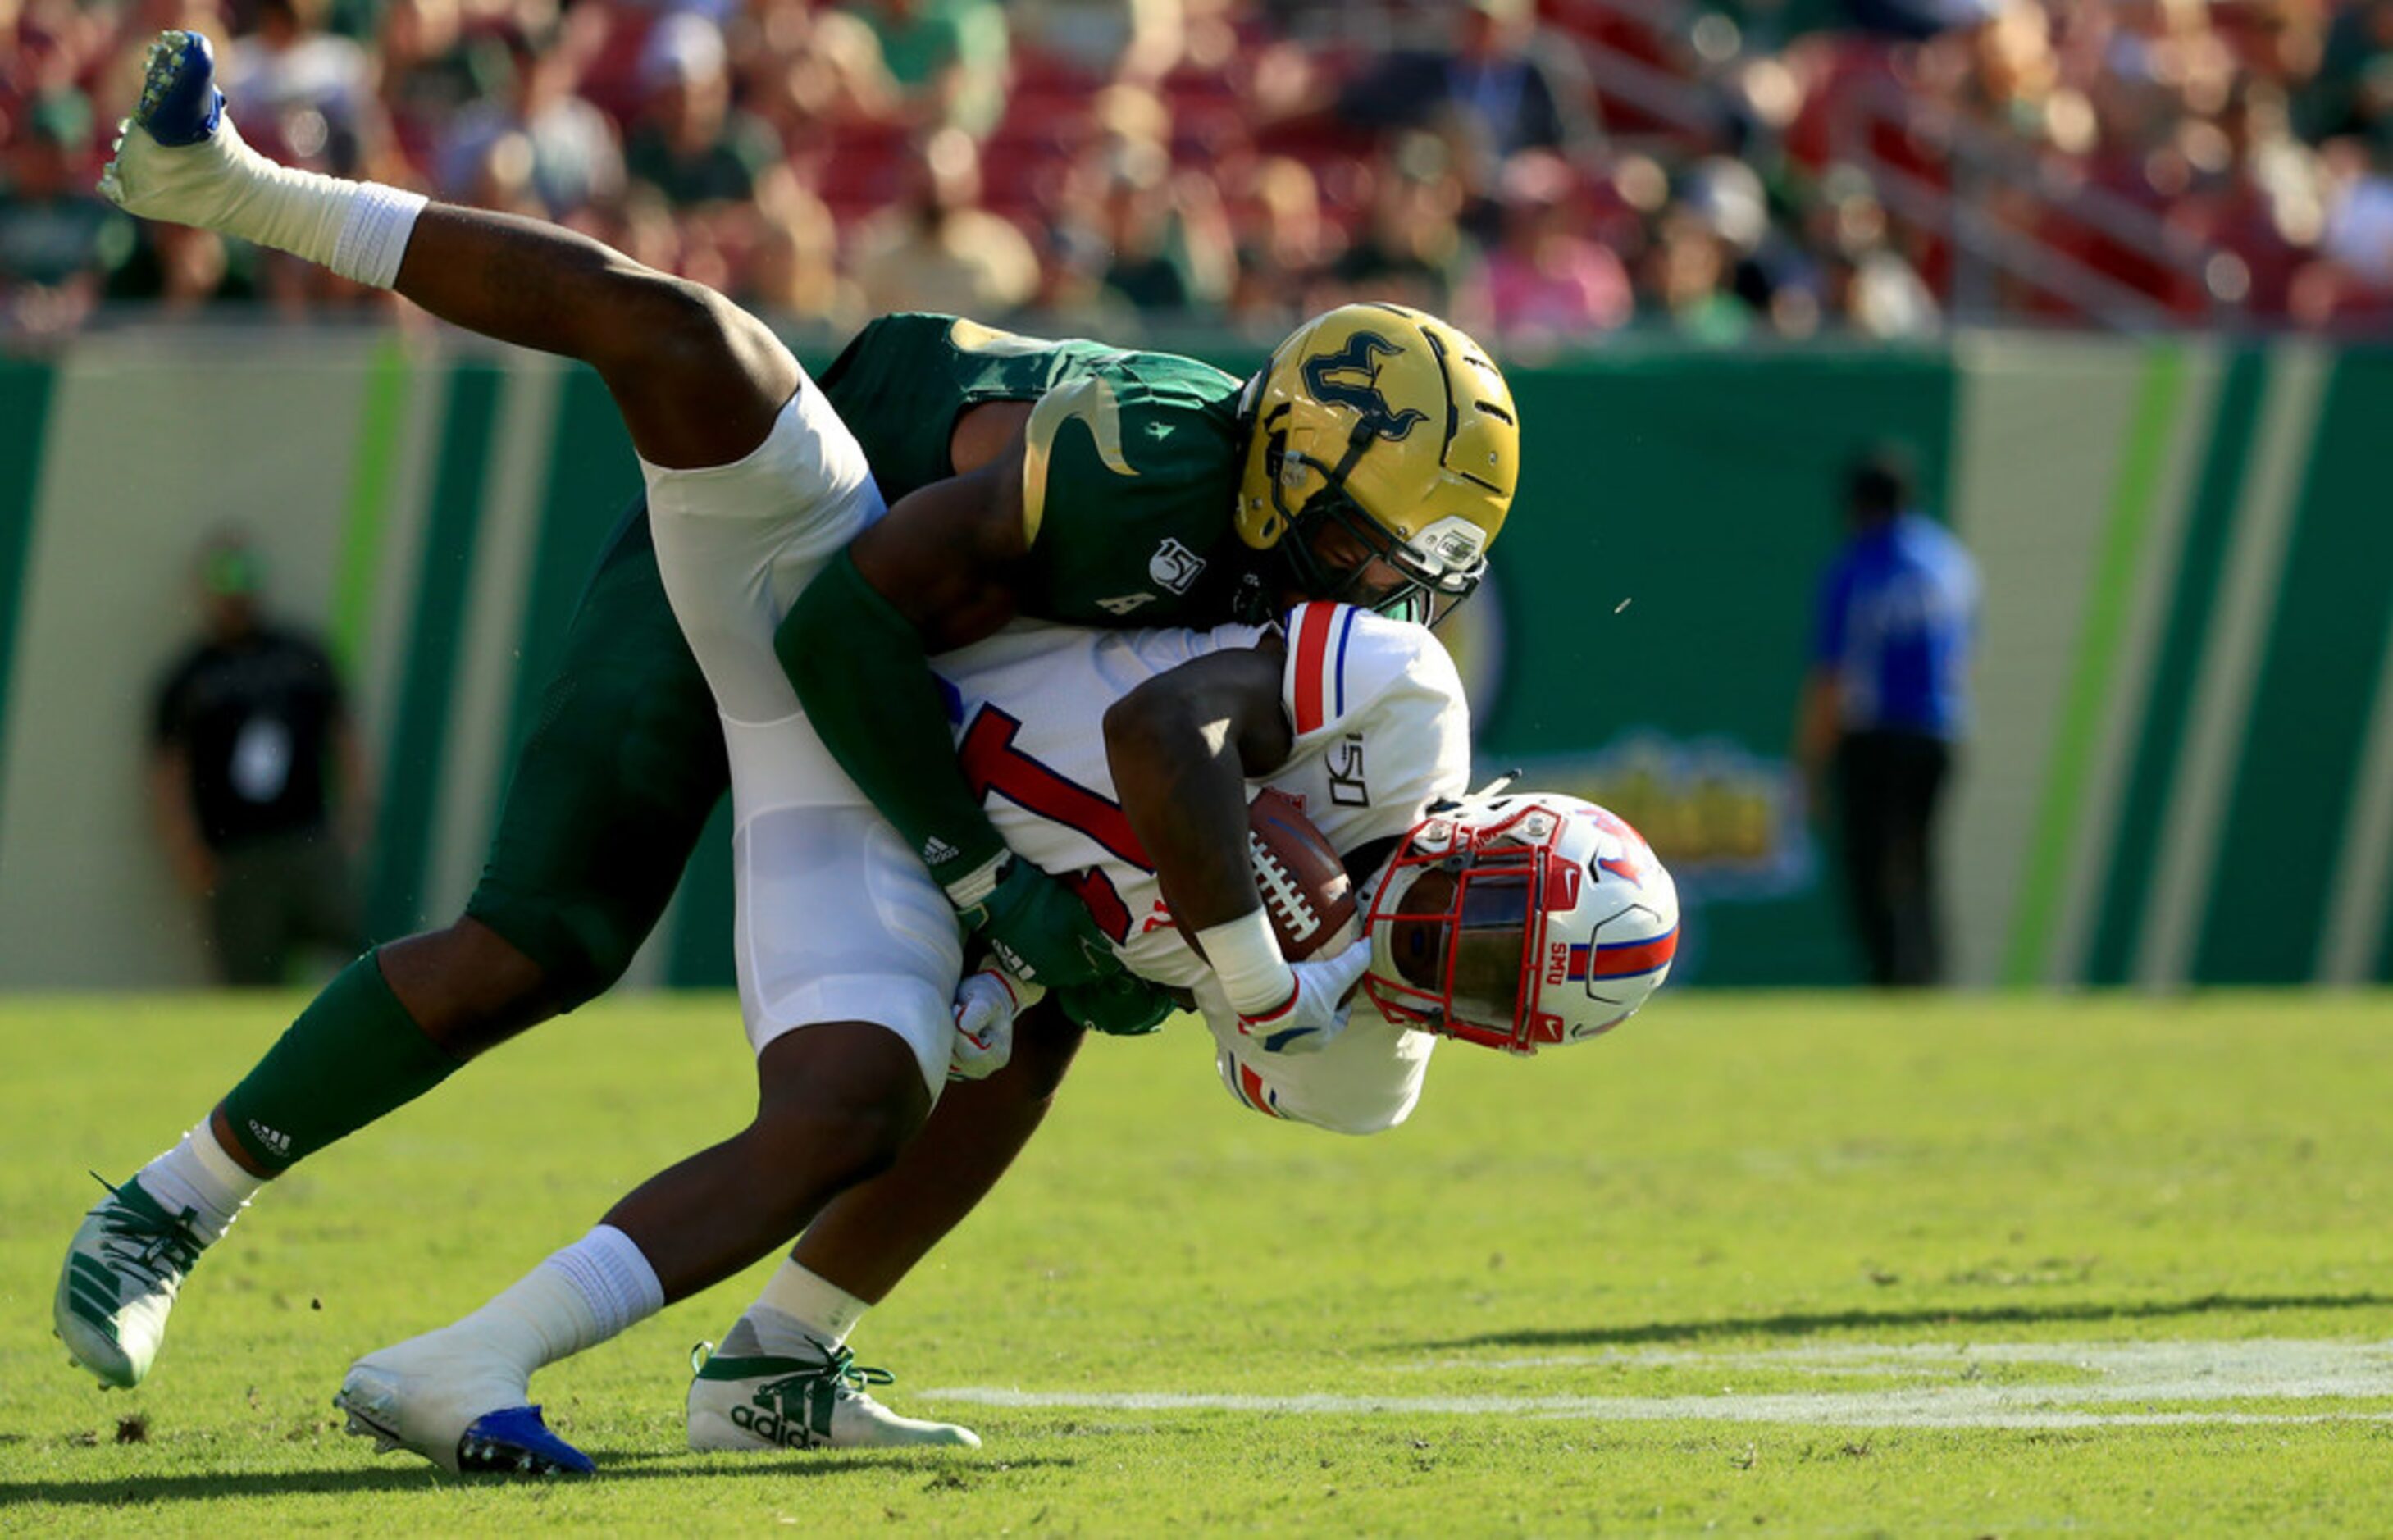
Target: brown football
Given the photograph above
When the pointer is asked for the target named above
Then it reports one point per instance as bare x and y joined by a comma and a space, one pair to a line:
1306, 892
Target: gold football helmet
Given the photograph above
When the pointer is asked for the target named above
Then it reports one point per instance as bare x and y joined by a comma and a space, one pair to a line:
1396, 426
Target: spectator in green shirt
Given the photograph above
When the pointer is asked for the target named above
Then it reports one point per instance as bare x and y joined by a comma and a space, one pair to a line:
947, 58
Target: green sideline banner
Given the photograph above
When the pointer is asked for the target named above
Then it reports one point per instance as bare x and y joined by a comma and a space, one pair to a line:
1653, 611
2181, 766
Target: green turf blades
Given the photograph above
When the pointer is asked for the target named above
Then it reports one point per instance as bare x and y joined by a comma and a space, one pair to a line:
1735, 1200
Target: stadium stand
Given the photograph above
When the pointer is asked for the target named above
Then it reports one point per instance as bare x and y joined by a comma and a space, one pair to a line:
1712, 169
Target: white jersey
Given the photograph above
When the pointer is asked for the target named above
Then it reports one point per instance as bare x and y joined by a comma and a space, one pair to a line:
1381, 731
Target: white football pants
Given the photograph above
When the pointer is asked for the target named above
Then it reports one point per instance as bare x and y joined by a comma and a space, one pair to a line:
836, 919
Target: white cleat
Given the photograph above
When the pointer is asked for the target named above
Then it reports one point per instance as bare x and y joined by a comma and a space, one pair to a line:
761, 1403
179, 158
123, 1267
449, 1403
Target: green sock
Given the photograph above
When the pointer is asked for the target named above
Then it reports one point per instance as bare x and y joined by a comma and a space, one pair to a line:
354, 1054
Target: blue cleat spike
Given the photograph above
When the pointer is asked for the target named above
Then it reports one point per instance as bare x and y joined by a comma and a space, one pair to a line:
516, 1442
180, 103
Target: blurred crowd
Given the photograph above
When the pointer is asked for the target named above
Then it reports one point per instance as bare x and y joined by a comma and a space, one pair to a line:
1540, 170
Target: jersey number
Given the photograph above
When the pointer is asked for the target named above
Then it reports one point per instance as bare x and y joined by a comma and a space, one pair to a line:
991, 762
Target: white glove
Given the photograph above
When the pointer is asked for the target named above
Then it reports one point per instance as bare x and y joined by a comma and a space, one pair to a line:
1316, 1012
985, 1004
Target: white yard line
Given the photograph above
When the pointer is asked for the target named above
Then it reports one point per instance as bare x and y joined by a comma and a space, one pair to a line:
2120, 1375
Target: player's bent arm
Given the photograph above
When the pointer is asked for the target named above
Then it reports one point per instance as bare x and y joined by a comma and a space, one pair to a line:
937, 571
950, 557
1182, 747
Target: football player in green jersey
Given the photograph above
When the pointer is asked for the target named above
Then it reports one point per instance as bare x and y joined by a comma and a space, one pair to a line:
1372, 460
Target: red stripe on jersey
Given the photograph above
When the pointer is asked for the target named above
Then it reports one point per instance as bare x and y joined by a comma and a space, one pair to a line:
1258, 1094
1313, 628
1105, 907
991, 762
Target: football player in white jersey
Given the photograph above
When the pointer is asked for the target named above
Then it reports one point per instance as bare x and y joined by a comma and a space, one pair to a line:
1360, 719
1113, 760
1366, 728
1516, 921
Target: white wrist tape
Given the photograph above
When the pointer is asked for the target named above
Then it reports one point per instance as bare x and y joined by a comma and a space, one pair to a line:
1244, 956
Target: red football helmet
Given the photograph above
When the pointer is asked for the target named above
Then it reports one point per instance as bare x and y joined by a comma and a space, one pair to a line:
1521, 921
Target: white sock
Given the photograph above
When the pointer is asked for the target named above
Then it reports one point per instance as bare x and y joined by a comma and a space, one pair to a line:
373, 234
359, 230
578, 1298
197, 1176
798, 1306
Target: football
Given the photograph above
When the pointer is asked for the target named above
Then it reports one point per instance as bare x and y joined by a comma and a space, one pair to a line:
1307, 895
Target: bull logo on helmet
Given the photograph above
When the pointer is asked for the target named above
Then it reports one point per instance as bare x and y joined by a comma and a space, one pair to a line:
1350, 377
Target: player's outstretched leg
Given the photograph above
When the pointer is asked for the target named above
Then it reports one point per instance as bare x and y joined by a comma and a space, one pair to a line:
359, 1051
836, 1102
698, 379
555, 922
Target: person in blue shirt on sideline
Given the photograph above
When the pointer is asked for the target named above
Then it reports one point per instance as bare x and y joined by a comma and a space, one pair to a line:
1885, 705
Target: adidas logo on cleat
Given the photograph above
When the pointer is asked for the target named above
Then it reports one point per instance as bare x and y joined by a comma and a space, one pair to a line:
771, 1428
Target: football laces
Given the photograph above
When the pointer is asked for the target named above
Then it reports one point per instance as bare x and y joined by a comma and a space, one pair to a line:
1283, 896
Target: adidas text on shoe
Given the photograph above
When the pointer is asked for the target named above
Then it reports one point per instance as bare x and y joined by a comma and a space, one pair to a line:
817, 1403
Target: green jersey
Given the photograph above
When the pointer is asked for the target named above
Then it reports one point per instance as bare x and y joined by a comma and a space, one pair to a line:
1130, 465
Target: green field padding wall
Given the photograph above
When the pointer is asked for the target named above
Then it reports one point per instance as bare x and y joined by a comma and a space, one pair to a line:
2182, 770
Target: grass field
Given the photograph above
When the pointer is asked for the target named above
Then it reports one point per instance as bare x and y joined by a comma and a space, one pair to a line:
1755, 1264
